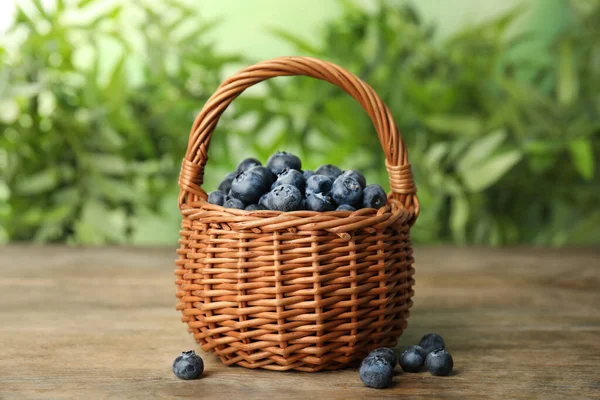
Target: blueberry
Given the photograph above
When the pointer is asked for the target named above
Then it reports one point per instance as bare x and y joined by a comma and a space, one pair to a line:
413, 358
232, 202
347, 190
285, 198
264, 200
376, 372
188, 365
360, 178
319, 184
374, 197
217, 197
225, 184
282, 160
248, 163
248, 186
431, 342
266, 173
254, 207
328, 170
385, 352
290, 177
307, 174
319, 202
439, 362
345, 207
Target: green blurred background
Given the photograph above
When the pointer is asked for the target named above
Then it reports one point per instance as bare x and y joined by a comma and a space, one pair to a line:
498, 102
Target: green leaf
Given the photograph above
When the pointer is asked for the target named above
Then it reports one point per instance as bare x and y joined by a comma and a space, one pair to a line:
582, 154
40, 182
84, 3
4, 191
459, 216
490, 171
38, 5
116, 87
301, 45
567, 75
481, 150
460, 125
110, 164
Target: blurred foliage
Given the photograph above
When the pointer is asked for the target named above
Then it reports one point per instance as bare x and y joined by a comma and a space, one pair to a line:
503, 136
92, 156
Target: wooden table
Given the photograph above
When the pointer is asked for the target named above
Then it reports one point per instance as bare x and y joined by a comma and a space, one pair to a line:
101, 323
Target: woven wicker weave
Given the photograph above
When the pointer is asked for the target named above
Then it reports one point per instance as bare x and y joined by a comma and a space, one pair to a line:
298, 290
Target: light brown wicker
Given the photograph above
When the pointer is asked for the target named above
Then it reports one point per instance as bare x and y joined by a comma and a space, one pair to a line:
298, 290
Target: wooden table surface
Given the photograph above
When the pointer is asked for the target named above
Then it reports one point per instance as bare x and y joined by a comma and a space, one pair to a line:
101, 323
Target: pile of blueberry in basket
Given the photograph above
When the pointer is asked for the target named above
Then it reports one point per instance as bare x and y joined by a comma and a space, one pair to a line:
282, 185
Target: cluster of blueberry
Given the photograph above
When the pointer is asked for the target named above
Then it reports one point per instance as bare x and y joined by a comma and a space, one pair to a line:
283, 186
377, 369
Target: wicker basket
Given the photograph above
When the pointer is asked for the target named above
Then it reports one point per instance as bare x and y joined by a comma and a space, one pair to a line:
298, 290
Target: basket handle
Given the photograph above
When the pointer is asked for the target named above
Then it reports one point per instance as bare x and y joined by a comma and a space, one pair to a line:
192, 170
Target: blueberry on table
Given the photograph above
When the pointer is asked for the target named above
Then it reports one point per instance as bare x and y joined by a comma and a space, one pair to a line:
285, 198
376, 372
319, 202
439, 362
374, 197
266, 173
248, 186
188, 365
290, 177
345, 207
413, 358
319, 184
225, 184
282, 160
346, 190
248, 163
307, 174
328, 170
232, 202
217, 197
431, 342
360, 178
385, 352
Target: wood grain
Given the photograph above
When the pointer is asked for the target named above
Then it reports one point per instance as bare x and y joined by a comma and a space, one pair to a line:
101, 323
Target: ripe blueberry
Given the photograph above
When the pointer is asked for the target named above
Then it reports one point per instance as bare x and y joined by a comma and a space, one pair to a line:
376, 372
345, 207
264, 201
328, 170
319, 184
188, 365
307, 174
285, 198
412, 359
431, 342
225, 184
282, 160
248, 186
385, 352
232, 202
360, 178
217, 197
266, 173
374, 197
319, 202
248, 163
254, 207
290, 177
439, 362
347, 190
